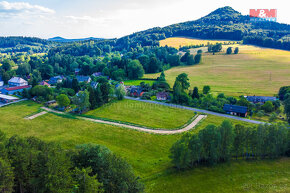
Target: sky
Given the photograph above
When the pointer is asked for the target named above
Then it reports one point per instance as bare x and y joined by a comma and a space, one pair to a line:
113, 18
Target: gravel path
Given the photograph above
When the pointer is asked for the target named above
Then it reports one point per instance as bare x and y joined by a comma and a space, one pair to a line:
198, 110
143, 129
36, 115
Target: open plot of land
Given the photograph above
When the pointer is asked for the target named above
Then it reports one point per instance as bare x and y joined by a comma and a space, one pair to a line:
148, 153
137, 82
254, 71
177, 42
145, 114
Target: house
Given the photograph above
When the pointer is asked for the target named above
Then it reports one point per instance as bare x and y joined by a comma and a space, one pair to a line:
94, 84
17, 81
135, 91
12, 90
260, 99
7, 99
77, 71
43, 83
56, 79
97, 74
86, 79
236, 110
1, 81
162, 96
48, 103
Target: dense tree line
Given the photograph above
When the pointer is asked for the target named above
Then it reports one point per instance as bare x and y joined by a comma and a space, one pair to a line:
216, 144
32, 165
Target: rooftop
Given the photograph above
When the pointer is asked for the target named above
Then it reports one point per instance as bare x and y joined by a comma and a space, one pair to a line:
7, 97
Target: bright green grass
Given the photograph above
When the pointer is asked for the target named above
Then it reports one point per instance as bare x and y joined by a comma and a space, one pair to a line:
238, 176
147, 153
137, 82
146, 114
254, 71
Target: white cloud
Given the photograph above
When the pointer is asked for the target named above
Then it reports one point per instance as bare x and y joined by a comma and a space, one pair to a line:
20, 8
82, 19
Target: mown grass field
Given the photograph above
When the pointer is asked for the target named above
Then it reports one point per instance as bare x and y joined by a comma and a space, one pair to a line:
254, 71
137, 82
177, 42
145, 114
148, 153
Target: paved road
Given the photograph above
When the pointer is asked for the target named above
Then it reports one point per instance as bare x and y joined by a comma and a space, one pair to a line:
197, 110
148, 130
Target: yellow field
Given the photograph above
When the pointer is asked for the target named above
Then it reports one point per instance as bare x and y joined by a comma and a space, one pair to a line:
180, 42
254, 71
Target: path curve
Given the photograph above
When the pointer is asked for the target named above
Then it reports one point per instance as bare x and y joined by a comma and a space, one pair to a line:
197, 110
155, 131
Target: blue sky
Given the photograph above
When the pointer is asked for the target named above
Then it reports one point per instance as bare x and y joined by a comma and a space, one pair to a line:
112, 18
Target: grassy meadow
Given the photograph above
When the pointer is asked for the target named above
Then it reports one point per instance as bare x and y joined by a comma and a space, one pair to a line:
254, 71
177, 42
148, 153
145, 114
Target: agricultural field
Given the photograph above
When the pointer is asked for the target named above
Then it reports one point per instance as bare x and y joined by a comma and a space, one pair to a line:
148, 153
254, 71
178, 42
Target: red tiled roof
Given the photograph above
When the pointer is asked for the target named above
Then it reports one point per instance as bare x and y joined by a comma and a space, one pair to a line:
17, 88
44, 83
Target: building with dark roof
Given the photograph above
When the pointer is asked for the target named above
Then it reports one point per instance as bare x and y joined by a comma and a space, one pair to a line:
260, 99
86, 79
236, 110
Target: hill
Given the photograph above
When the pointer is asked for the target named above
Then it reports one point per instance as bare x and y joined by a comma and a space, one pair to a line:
223, 23
24, 44
61, 39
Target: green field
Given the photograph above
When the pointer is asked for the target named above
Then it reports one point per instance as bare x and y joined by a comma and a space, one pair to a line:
148, 153
145, 114
254, 71
137, 82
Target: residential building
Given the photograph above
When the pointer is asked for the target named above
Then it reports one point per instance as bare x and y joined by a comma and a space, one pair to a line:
163, 96
17, 81
13, 90
260, 99
86, 79
236, 110
56, 79
43, 83
7, 99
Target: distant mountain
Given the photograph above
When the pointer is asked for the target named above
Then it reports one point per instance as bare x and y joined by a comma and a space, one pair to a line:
223, 23
61, 39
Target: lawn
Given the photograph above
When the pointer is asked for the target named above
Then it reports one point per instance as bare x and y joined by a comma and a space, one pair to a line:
183, 41
145, 114
137, 82
148, 153
254, 71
